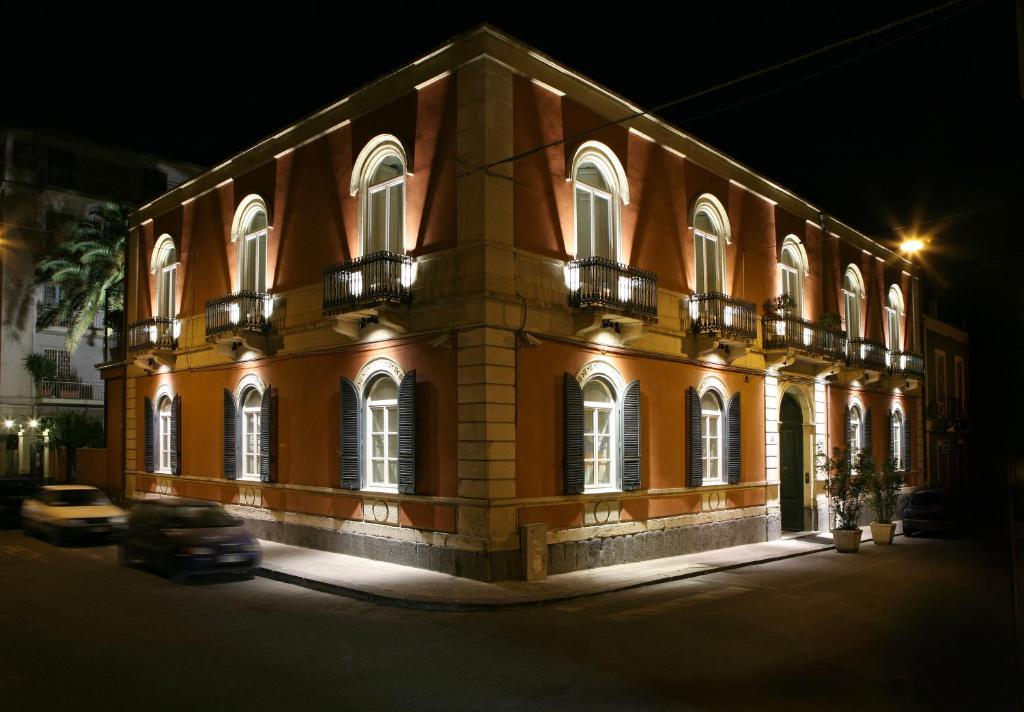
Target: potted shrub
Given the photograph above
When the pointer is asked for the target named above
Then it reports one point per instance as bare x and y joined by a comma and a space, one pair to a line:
778, 307
883, 492
844, 486
831, 320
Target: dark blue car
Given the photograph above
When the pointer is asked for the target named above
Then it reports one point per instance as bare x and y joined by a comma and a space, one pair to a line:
183, 537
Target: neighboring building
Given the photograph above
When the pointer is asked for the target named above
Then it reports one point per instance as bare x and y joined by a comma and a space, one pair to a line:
48, 181
948, 431
375, 333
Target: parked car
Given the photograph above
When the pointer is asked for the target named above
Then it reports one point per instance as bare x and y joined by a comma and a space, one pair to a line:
935, 511
63, 512
183, 537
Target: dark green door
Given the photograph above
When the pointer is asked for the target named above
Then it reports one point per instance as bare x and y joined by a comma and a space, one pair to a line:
791, 458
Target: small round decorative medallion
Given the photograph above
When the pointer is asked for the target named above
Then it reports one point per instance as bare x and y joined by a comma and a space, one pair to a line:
380, 511
603, 512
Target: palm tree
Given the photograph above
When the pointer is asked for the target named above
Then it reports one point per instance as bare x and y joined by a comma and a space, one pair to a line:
88, 266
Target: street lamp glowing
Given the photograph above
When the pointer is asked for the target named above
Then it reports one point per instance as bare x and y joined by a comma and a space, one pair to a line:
33, 423
8, 424
912, 245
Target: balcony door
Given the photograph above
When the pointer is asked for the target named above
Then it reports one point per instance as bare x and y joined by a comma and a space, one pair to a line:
385, 207
791, 462
595, 217
253, 251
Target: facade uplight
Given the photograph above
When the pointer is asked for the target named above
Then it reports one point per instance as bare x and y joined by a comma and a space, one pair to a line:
912, 245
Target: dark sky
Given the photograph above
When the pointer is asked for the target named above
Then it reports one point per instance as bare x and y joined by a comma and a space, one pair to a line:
919, 122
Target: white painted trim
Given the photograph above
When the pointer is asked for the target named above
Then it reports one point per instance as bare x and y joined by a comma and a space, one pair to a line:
375, 150
795, 242
372, 368
247, 204
606, 158
248, 380
162, 391
711, 205
605, 369
161, 244
550, 88
714, 383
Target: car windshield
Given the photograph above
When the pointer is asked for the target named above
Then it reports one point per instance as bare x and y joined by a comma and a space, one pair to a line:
76, 498
929, 499
197, 517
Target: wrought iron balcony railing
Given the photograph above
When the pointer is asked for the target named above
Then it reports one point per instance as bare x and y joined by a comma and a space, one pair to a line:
867, 354
716, 313
599, 283
241, 311
156, 333
948, 409
786, 331
64, 389
902, 363
383, 277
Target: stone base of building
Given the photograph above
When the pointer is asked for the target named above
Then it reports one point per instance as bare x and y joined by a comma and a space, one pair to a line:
507, 565
479, 565
592, 553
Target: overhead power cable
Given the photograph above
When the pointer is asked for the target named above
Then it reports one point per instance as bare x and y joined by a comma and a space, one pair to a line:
732, 82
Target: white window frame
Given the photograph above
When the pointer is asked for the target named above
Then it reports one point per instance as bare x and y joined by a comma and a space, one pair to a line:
392, 243
591, 418
793, 274
250, 417
894, 312
384, 405
896, 436
856, 443
714, 241
711, 430
252, 277
853, 294
604, 159
165, 267
376, 150
164, 415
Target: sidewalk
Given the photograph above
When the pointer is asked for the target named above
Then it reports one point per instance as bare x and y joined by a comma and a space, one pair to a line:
404, 586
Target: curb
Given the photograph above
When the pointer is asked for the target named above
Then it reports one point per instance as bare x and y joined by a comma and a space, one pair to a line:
454, 606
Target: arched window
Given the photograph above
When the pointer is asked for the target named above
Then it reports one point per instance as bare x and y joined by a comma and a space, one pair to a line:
599, 435
856, 430
600, 184
853, 294
894, 313
793, 266
710, 235
165, 267
250, 231
711, 436
252, 402
379, 176
382, 433
164, 441
896, 438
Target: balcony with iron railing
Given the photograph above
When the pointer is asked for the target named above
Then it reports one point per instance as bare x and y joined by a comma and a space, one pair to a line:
720, 315
366, 282
603, 284
787, 331
867, 354
158, 333
903, 363
70, 390
243, 311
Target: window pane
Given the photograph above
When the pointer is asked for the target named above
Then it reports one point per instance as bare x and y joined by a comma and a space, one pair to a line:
392, 473
596, 392
591, 175
588, 473
603, 228
604, 419
376, 235
393, 447
698, 241
377, 419
378, 446
711, 260
588, 447
396, 215
603, 474
379, 473
583, 228
604, 447
261, 263
389, 168
393, 420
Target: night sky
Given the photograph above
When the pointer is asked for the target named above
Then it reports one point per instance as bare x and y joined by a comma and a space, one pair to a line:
915, 124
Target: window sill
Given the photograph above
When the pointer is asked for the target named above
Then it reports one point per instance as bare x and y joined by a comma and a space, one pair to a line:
601, 490
249, 478
162, 471
713, 483
381, 489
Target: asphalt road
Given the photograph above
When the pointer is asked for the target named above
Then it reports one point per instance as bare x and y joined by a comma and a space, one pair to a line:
924, 624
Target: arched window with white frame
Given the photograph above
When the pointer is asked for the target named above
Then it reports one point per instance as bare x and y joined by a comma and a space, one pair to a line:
793, 266
600, 432
252, 403
856, 430
379, 177
165, 268
382, 433
164, 440
711, 437
251, 229
894, 311
896, 438
711, 233
853, 295
599, 184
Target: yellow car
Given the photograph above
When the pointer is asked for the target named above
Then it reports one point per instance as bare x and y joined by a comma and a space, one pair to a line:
62, 512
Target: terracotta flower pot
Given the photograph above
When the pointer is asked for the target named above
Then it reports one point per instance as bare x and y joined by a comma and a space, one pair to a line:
882, 533
847, 540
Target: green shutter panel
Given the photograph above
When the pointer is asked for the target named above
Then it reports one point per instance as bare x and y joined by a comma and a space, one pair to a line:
631, 437
733, 454
694, 468
572, 435
230, 444
268, 436
906, 442
147, 435
847, 430
176, 435
407, 434
868, 432
889, 452
348, 434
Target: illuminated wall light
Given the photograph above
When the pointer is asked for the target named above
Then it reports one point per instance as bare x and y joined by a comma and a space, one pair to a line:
727, 317
33, 423
625, 289
8, 424
780, 328
152, 334
233, 313
355, 284
807, 336
176, 328
268, 307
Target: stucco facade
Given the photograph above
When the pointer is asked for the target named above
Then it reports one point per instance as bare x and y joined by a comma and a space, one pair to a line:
492, 319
